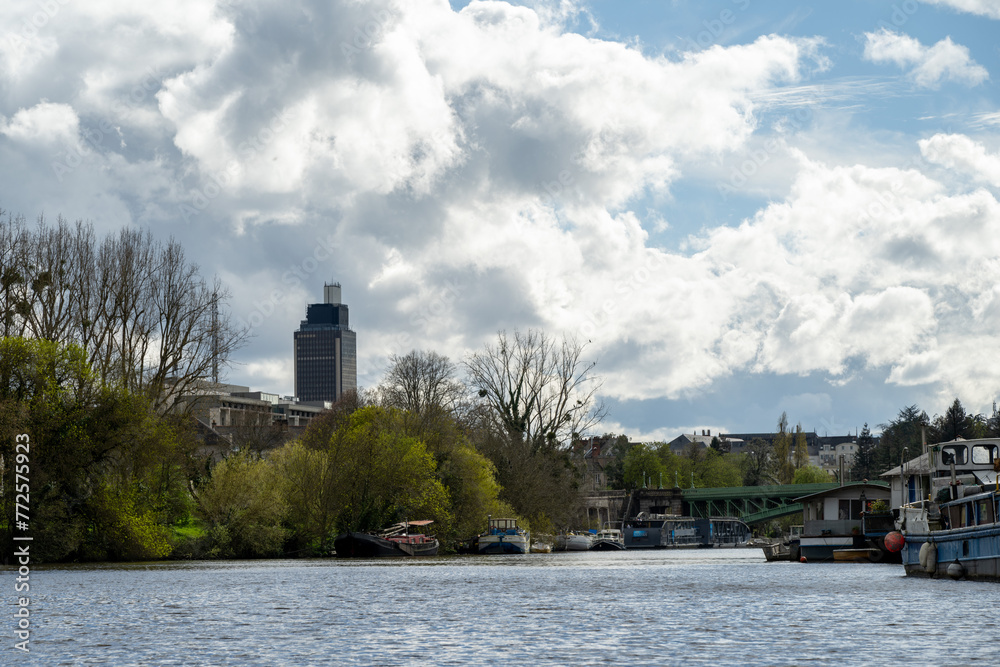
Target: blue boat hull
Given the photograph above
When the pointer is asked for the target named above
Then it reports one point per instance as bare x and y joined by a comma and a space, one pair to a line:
976, 549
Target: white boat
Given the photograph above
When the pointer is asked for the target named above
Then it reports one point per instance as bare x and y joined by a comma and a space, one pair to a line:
503, 536
609, 539
573, 541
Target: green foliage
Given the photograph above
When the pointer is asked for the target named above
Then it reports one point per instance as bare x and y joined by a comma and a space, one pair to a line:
644, 465
902, 432
718, 470
878, 506
123, 529
812, 475
244, 508
106, 472
864, 459
782, 448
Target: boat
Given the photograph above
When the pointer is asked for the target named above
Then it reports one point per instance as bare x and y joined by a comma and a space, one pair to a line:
573, 541
949, 526
502, 536
395, 541
775, 551
660, 531
959, 538
835, 520
782, 549
608, 539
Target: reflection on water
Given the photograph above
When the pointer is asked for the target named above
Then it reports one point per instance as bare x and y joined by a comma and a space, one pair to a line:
663, 607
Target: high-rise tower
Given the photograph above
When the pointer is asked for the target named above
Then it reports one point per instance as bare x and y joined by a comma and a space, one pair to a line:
326, 350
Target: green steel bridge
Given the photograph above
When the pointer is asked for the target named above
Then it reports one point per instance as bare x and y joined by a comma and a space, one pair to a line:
750, 504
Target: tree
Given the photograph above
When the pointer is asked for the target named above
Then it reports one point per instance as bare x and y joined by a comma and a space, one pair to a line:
783, 442
255, 433
244, 508
536, 396
903, 432
812, 475
107, 472
758, 463
955, 423
864, 459
147, 320
537, 390
615, 470
644, 468
421, 383
801, 448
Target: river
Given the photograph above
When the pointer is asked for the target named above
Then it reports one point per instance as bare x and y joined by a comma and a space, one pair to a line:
672, 607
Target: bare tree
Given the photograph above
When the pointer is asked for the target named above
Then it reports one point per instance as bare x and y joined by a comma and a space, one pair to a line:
539, 390
255, 433
140, 310
421, 382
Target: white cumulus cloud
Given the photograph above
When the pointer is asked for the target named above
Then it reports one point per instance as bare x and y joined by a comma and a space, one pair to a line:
963, 154
928, 65
989, 8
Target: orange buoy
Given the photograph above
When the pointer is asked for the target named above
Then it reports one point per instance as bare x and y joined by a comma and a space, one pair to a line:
802, 559
894, 541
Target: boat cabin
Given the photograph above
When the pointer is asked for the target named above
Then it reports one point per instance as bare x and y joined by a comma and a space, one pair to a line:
980, 509
839, 511
954, 463
502, 526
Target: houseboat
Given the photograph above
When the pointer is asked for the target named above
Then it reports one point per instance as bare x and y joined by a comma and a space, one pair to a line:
662, 531
502, 536
834, 520
394, 541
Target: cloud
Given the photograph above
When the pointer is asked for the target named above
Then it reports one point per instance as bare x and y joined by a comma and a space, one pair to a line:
463, 172
987, 8
929, 65
960, 153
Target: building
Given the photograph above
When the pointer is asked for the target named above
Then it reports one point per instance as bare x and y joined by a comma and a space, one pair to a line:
325, 350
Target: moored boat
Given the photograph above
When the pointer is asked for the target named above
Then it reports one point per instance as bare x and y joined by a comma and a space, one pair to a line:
573, 541
949, 520
396, 541
502, 536
609, 539
835, 521
962, 541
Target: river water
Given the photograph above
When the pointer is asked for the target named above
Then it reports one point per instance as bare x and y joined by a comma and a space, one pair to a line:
672, 607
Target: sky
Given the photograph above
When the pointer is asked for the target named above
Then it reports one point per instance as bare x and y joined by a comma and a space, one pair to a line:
740, 208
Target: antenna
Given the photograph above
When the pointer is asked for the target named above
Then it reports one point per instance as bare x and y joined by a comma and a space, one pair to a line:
215, 337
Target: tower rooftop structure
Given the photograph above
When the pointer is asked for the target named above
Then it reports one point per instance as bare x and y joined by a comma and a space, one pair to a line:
325, 350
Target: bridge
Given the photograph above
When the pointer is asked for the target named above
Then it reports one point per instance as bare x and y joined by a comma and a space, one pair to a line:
750, 504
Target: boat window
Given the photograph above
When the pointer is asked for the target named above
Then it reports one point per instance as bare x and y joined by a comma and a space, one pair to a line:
955, 516
985, 511
984, 453
849, 509
956, 454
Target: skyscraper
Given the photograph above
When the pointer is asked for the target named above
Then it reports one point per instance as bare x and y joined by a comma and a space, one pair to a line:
326, 350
